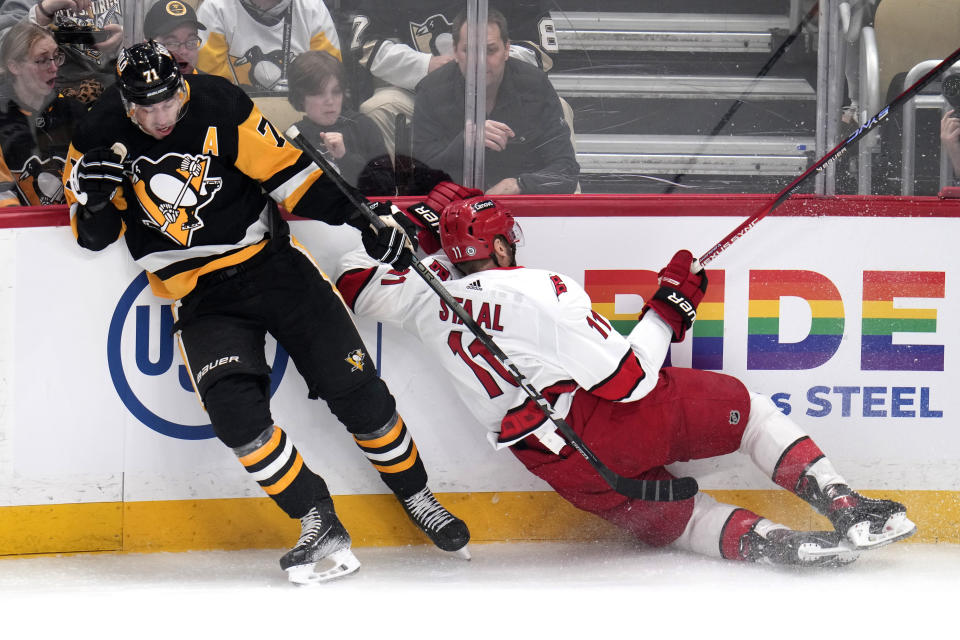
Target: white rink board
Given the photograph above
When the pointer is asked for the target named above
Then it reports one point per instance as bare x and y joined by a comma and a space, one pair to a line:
66, 434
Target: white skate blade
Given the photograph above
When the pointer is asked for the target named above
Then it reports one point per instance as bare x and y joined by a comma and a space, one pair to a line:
896, 528
463, 553
844, 553
337, 564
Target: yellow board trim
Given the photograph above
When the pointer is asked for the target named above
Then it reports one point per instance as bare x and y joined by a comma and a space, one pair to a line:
378, 520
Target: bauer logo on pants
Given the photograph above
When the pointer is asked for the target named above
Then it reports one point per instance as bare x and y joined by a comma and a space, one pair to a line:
147, 371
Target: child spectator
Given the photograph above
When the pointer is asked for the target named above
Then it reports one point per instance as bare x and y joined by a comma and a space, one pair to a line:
317, 83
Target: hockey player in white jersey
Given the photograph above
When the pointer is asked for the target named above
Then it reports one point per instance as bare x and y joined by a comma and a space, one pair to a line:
634, 415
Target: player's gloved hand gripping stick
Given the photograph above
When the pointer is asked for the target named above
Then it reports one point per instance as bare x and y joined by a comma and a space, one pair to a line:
651, 490
847, 143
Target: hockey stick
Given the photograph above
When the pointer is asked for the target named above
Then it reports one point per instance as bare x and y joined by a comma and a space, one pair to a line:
650, 490
868, 126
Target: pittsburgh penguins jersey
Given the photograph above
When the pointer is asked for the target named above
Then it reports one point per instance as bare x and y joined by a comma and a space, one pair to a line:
542, 320
248, 52
33, 147
203, 197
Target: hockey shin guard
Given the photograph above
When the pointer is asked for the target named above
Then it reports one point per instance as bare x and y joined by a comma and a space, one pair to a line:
782, 450
276, 465
393, 453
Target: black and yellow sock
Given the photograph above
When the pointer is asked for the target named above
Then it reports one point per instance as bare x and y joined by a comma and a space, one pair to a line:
392, 452
276, 465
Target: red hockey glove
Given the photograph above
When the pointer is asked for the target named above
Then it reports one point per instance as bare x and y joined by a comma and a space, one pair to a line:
446, 192
679, 294
426, 215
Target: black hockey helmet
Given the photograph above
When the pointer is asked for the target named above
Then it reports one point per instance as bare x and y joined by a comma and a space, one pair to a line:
147, 74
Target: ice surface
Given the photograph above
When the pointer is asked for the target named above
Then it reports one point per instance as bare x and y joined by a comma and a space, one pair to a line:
529, 590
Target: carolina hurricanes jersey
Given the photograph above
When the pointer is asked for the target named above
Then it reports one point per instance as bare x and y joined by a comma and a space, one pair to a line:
235, 43
204, 197
542, 321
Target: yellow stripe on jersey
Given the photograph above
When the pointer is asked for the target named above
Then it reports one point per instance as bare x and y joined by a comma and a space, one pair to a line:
262, 152
183, 283
212, 57
320, 42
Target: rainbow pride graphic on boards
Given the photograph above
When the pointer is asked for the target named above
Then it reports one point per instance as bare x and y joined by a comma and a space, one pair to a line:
764, 349
618, 295
881, 319
605, 286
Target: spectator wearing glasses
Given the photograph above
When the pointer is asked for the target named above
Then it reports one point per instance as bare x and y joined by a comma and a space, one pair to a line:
174, 24
89, 67
36, 122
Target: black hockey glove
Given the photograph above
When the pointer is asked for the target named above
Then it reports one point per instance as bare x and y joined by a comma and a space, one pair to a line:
389, 244
96, 177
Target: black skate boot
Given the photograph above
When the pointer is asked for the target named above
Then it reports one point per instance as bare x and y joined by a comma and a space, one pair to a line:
447, 531
866, 522
323, 541
798, 548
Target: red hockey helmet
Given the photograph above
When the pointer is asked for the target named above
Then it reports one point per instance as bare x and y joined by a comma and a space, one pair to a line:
468, 227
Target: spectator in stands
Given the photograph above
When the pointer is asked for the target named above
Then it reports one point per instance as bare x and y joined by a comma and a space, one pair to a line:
351, 141
950, 136
89, 65
854, 15
36, 123
174, 24
252, 42
396, 44
528, 147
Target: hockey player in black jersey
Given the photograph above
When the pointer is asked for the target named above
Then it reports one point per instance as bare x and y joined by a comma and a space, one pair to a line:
190, 172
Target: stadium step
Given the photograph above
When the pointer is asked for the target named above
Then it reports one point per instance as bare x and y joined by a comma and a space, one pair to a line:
607, 85
695, 155
699, 32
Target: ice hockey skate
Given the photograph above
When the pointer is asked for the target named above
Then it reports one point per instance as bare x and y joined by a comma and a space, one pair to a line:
447, 531
866, 522
784, 546
323, 551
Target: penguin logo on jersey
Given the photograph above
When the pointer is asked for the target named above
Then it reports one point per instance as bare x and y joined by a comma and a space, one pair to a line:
39, 181
172, 191
433, 35
355, 359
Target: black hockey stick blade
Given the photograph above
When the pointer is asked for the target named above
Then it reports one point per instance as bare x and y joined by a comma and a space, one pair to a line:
649, 490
